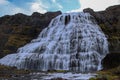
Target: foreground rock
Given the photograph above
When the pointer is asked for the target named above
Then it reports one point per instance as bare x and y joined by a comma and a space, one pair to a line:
11, 73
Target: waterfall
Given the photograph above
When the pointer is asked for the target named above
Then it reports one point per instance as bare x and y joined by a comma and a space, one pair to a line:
72, 41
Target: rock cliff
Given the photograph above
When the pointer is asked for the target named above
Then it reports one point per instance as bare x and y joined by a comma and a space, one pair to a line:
109, 21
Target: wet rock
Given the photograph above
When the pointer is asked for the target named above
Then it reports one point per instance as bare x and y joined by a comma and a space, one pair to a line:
58, 79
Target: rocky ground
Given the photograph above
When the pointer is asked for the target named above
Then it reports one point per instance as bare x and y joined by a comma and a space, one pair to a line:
11, 73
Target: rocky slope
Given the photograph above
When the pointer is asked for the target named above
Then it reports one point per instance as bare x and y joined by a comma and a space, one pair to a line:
19, 29
109, 21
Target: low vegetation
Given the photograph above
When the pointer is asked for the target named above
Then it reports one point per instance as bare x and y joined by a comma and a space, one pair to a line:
111, 74
9, 72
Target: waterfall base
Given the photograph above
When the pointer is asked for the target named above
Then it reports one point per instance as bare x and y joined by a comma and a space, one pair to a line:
69, 76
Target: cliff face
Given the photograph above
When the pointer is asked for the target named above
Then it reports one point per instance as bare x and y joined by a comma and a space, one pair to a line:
19, 29
109, 21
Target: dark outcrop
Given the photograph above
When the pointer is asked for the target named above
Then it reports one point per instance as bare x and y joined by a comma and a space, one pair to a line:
109, 21
19, 29
111, 61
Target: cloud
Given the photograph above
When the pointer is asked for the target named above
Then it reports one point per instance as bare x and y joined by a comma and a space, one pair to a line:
75, 10
96, 5
60, 6
54, 1
7, 8
38, 7
10, 7
57, 4
43, 6
2, 2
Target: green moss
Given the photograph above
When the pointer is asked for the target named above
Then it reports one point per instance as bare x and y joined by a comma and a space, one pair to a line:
14, 42
17, 40
21, 71
105, 77
102, 26
110, 31
18, 29
112, 74
6, 51
17, 37
92, 79
2, 67
8, 72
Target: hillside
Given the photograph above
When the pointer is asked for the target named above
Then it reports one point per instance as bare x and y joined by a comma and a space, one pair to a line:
19, 29
109, 21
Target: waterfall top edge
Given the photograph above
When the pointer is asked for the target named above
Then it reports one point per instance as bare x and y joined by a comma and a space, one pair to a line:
75, 13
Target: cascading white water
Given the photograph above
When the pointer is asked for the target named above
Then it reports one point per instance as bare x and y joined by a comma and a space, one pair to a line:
72, 41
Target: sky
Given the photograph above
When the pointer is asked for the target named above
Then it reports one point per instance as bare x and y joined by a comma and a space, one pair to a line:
10, 7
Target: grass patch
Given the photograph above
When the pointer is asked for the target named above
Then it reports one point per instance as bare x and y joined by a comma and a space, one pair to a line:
8, 72
111, 74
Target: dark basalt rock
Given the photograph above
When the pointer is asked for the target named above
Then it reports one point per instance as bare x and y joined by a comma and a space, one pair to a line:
19, 29
58, 79
111, 61
67, 19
